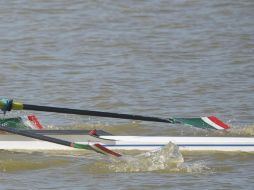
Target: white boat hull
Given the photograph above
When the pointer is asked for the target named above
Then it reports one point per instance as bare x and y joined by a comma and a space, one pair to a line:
244, 144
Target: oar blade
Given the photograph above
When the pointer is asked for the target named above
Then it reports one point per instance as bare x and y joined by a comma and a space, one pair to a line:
97, 147
24, 122
102, 149
210, 122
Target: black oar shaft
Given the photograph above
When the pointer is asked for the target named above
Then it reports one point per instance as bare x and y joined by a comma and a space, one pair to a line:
35, 136
94, 113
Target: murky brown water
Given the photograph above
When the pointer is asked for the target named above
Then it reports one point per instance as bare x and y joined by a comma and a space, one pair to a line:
158, 58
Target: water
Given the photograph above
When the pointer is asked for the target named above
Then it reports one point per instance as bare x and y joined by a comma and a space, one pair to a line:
158, 58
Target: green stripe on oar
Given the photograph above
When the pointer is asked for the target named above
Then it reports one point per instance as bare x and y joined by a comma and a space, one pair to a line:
55, 140
8, 105
16, 122
198, 122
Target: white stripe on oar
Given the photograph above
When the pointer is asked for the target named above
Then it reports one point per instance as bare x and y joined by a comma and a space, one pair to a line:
209, 121
32, 122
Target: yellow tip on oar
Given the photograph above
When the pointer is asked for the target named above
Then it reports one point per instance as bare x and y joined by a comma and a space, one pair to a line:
17, 105
8, 105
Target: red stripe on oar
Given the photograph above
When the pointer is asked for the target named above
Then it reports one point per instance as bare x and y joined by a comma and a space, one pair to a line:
104, 149
72, 145
219, 122
35, 121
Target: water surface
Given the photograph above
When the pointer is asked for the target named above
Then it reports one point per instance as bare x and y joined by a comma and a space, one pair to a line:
158, 58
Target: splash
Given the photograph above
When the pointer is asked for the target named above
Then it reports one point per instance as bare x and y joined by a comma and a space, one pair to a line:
167, 158
197, 167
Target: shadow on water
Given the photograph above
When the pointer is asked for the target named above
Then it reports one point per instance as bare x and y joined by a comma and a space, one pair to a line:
23, 161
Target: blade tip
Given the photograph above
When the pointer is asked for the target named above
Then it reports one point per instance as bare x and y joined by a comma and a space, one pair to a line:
218, 122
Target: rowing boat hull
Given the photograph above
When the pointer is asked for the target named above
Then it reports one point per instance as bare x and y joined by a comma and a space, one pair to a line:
244, 144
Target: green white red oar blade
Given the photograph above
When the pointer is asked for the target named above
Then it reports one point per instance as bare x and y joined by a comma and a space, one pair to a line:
24, 122
102, 149
210, 122
97, 147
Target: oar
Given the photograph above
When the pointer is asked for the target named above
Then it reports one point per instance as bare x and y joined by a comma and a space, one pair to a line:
91, 146
210, 122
